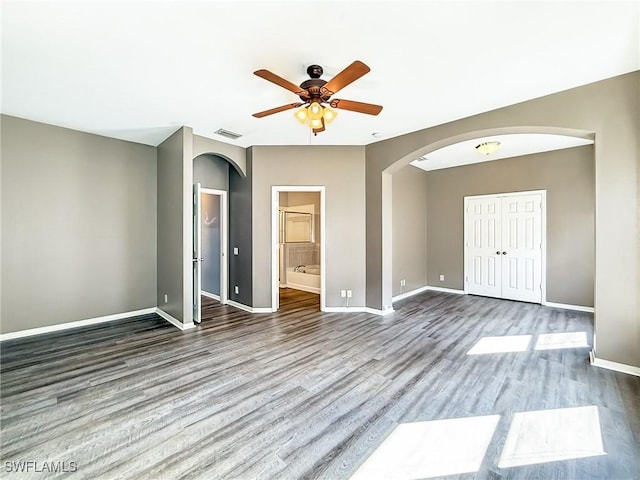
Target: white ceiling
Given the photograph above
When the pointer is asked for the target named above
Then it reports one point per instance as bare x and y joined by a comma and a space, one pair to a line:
138, 70
511, 145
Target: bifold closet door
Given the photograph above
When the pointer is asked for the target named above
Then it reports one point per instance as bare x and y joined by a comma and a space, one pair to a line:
503, 249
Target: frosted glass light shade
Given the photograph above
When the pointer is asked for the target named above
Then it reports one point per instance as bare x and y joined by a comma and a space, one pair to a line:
329, 114
315, 111
316, 123
301, 115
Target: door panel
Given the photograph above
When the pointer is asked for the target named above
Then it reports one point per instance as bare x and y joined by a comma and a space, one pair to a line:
484, 238
522, 248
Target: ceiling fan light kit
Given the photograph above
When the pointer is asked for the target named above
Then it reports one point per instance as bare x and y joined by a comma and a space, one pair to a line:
316, 93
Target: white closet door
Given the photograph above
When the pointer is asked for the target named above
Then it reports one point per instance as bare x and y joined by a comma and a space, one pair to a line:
522, 247
484, 237
503, 246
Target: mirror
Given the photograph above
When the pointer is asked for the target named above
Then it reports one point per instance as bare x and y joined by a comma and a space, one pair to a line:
298, 227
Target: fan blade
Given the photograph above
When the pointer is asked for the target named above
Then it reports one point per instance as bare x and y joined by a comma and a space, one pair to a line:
368, 108
277, 109
273, 78
345, 77
318, 130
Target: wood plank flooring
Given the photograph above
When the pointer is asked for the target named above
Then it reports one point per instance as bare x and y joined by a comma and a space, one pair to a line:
298, 394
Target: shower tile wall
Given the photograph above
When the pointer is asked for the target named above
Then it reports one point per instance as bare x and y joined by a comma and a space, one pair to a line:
302, 254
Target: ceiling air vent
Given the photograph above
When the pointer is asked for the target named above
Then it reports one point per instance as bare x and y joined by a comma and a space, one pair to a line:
227, 133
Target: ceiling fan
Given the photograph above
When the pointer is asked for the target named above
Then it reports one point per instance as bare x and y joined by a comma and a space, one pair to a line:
316, 93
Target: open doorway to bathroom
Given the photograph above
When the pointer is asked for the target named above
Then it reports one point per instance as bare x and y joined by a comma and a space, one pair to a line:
298, 248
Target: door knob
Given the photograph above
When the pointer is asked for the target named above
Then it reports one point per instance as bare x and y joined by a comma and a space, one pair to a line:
498, 252
504, 253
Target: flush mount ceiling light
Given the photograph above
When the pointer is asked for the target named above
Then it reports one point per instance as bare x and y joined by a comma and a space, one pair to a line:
487, 148
315, 109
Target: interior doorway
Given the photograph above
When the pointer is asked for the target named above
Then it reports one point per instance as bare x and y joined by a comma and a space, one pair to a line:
210, 223
298, 247
505, 246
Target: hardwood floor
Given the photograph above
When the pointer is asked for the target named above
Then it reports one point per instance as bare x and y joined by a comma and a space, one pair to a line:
302, 394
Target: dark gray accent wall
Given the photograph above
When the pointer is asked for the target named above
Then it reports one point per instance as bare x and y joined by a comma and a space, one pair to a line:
341, 171
409, 229
78, 225
567, 176
211, 171
240, 233
170, 226
608, 110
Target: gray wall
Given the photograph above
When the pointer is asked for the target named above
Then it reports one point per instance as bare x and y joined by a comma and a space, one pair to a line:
171, 244
409, 229
240, 234
236, 156
341, 171
610, 111
568, 177
78, 225
211, 171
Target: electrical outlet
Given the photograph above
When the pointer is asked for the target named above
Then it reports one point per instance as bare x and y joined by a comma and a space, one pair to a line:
166, 298
235, 252
403, 283
236, 289
349, 294
442, 278
343, 293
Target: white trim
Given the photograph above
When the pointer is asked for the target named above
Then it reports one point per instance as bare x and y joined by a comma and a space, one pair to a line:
249, 309
210, 295
375, 311
411, 293
304, 288
446, 290
617, 367
174, 321
275, 246
578, 308
79, 323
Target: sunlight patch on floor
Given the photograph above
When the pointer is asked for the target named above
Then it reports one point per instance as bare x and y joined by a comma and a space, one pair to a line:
505, 344
551, 341
431, 449
552, 435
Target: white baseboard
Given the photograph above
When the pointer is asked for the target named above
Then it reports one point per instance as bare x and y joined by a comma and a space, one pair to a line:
411, 293
304, 288
249, 309
210, 295
426, 288
578, 308
375, 311
372, 311
174, 321
80, 323
445, 290
618, 367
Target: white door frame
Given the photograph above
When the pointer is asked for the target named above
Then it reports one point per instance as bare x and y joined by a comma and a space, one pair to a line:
543, 194
275, 244
224, 225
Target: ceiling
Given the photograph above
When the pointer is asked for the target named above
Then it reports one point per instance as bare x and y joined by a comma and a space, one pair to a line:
511, 145
138, 70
